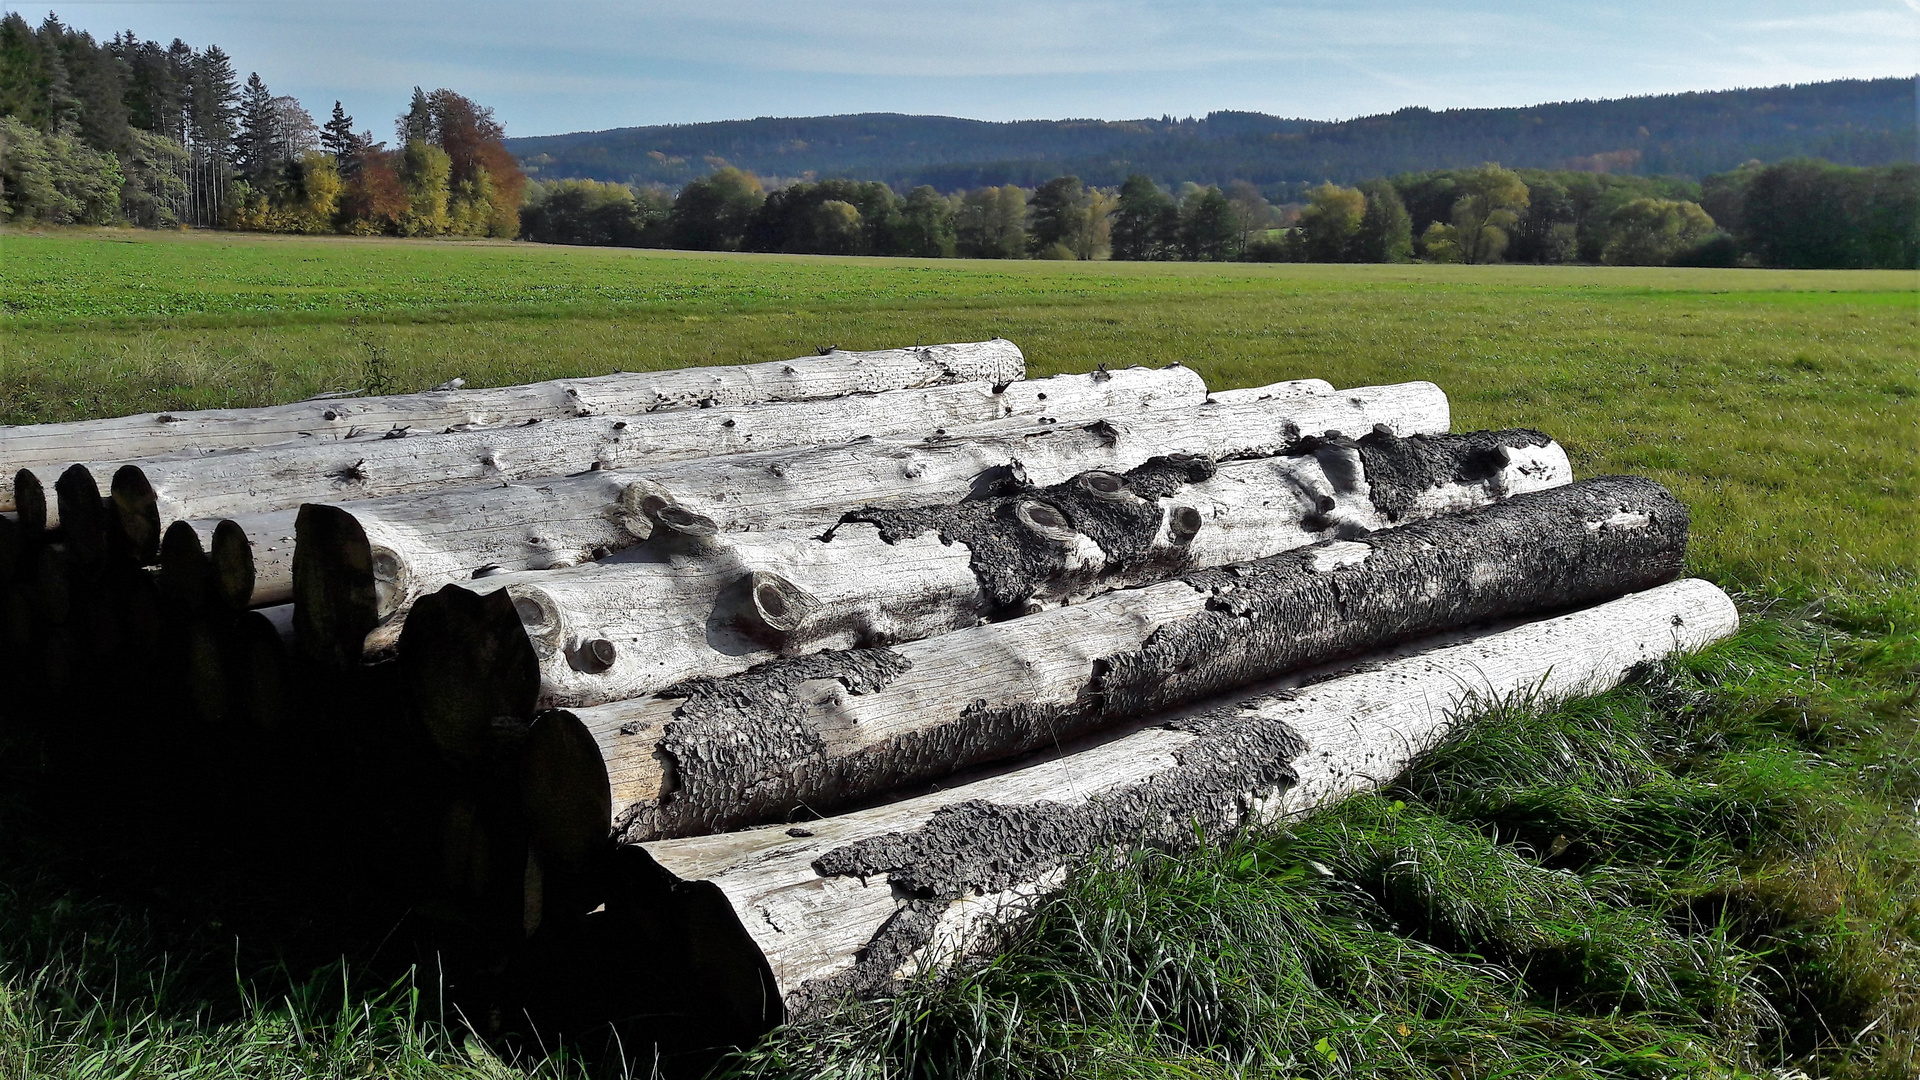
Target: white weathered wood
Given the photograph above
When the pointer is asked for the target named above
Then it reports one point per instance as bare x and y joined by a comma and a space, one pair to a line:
1248, 395
151, 494
803, 379
271, 533
658, 614
833, 728
812, 930
389, 552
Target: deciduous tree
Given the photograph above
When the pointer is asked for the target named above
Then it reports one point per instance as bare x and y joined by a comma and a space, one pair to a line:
1330, 222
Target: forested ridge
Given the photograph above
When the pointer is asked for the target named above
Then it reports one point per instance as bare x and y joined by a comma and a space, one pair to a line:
133, 131
1850, 122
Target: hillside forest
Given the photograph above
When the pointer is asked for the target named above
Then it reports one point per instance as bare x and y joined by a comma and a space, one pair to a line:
132, 131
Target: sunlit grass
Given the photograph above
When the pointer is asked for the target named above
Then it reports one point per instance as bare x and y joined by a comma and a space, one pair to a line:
1713, 873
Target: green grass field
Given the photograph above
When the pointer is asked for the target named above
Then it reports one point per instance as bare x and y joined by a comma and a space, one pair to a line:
1736, 885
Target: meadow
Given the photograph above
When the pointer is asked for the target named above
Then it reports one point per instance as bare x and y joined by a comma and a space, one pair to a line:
1714, 872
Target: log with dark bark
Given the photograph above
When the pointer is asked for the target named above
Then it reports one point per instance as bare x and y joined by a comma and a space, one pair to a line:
358, 566
837, 372
794, 918
837, 727
669, 610
151, 494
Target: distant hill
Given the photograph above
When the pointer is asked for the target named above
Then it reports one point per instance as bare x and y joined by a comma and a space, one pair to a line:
1854, 122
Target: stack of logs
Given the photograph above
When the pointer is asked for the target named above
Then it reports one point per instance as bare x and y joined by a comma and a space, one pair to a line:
808, 673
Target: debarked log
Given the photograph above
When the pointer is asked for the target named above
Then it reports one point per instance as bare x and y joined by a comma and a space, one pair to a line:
269, 536
686, 605
802, 916
151, 494
359, 565
832, 374
814, 732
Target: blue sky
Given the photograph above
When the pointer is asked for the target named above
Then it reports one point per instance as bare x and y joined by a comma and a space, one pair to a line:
549, 66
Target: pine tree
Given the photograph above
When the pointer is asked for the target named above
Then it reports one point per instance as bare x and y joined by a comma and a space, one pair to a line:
336, 135
257, 154
417, 125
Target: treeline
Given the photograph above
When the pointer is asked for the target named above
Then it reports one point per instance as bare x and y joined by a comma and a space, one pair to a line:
167, 135
1800, 213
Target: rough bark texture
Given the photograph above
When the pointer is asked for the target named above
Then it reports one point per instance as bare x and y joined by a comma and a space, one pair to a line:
370, 419
150, 494
808, 913
424, 542
659, 614
695, 760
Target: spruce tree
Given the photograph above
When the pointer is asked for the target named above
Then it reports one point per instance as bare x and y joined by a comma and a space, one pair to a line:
257, 152
336, 135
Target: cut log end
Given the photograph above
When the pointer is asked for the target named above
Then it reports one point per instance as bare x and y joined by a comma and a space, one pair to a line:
232, 565
185, 574
83, 515
136, 515
335, 595
30, 502
465, 659
567, 797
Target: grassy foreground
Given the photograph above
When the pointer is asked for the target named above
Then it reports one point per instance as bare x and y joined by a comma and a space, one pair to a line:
1715, 872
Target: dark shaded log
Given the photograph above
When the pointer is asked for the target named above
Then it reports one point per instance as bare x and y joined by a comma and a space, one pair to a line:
663, 613
403, 548
120, 439
83, 517
208, 567
30, 503
804, 915
260, 669
818, 731
12, 541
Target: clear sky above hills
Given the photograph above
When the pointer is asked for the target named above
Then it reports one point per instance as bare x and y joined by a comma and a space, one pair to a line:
549, 66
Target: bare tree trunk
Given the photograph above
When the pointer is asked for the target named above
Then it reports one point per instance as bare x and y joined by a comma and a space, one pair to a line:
818, 731
151, 494
678, 608
359, 565
772, 924
804, 379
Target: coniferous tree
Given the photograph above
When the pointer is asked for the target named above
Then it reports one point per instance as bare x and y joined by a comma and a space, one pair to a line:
23, 73
255, 152
416, 124
337, 137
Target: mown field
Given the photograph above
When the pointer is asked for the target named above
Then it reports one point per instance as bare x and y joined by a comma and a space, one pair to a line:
1715, 872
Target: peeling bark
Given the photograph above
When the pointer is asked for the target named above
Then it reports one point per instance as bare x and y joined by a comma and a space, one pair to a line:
664, 613
849, 904
708, 755
417, 544
120, 439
